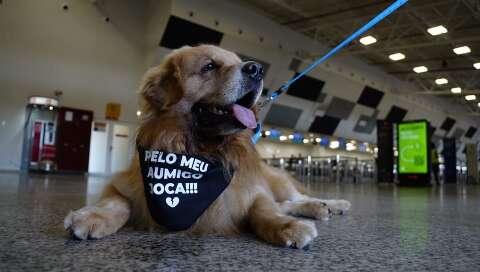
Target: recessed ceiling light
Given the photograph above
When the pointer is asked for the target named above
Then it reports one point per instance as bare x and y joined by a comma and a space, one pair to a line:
441, 81
420, 69
397, 56
437, 30
462, 50
367, 40
139, 113
478, 104
471, 97
477, 65
456, 90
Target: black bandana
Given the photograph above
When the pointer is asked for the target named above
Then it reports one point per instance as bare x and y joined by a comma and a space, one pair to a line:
179, 188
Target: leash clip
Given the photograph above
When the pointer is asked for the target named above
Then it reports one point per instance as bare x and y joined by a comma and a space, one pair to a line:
273, 96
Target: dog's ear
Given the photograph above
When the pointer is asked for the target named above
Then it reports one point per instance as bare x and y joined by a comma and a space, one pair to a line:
161, 87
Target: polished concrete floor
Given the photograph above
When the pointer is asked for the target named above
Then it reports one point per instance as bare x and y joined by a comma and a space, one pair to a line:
388, 229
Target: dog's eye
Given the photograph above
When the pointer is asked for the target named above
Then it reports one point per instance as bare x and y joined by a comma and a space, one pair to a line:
209, 67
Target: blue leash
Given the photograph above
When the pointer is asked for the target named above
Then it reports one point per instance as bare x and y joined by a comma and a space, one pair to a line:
393, 7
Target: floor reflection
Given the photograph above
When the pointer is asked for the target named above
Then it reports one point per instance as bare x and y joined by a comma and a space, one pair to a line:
413, 215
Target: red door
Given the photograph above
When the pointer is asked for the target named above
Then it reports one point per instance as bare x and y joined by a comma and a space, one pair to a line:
73, 139
36, 138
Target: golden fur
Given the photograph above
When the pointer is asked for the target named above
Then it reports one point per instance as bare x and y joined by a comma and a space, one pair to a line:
259, 198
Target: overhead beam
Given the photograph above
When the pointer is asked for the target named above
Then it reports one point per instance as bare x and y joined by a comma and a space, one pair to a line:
446, 93
471, 6
419, 45
335, 20
426, 60
335, 12
458, 76
290, 8
445, 70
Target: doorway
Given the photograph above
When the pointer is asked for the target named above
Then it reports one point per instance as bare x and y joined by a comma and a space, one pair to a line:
112, 146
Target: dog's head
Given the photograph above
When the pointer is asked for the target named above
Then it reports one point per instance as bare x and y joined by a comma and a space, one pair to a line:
209, 86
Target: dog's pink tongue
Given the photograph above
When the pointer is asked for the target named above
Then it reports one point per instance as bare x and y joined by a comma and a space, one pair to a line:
245, 116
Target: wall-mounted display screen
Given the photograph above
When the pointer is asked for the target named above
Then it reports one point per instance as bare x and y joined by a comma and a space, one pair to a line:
413, 147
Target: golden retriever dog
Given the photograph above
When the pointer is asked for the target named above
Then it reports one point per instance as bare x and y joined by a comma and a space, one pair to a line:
201, 101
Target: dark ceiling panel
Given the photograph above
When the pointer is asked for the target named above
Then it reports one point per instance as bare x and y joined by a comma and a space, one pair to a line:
324, 125
370, 97
180, 32
366, 124
306, 87
340, 108
448, 124
471, 132
396, 114
283, 116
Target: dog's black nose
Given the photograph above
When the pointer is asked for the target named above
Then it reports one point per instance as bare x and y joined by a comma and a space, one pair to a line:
253, 69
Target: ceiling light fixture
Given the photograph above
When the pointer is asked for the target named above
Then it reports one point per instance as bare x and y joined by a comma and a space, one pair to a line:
456, 90
471, 97
368, 40
462, 50
397, 56
477, 65
420, 69
441, 81
437, 30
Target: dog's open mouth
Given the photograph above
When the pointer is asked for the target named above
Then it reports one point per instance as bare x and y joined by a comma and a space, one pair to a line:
210, 115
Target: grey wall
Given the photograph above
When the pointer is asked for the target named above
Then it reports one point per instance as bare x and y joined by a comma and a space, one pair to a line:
44, 48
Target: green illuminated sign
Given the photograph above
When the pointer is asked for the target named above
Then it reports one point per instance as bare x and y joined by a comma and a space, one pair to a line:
413, 148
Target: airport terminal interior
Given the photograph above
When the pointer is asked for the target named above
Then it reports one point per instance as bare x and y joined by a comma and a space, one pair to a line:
388, 122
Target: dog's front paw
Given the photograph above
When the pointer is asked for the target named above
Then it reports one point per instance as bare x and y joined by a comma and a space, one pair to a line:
88, 222
297, 234
319, 210
339, 206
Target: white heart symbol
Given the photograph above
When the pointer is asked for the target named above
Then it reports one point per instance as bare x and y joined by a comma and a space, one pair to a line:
172, 202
